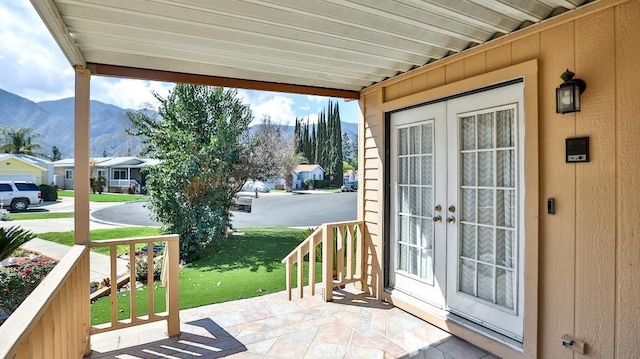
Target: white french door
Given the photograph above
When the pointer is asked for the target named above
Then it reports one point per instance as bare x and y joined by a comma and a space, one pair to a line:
456, 206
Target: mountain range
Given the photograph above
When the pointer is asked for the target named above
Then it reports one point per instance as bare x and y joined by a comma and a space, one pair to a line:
54, 120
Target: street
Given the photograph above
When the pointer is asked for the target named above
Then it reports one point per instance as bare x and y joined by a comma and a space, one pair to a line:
269, 210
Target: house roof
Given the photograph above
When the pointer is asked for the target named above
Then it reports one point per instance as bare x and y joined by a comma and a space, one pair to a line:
40, 163
333, 48
307, 168
125, 162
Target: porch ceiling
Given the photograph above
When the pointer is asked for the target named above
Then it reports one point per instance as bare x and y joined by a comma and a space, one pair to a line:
317, 46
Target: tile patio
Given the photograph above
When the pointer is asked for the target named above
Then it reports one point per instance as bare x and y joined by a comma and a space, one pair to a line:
352, 326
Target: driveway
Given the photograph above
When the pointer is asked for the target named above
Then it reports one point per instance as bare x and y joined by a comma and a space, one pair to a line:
269, 210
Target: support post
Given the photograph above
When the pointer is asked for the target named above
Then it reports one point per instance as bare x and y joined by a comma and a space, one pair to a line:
173, 307
81, 156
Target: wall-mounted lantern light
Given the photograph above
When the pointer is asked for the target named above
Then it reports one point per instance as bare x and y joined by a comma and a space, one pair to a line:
568, 93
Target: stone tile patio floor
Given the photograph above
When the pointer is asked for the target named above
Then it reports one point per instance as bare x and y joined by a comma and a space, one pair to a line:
352, 326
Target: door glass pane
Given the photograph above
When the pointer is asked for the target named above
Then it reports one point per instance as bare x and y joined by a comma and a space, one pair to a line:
402, 257
469, 169
485, 282
485, 169
414, 172
505, 208
485, 131
427, 170
467, 276
427, 266
468, 213
427, 202
505, 126
403, 199
414, 231
403, 142
485, 244
485, 206
504, 287
468, 133
413, 260
468, 241
414, 198
505, 248
414, 140
505, 168
427, 138
427, 234
403, 175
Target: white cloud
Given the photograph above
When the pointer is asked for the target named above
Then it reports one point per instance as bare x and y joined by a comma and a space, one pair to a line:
314, 98
126, 93
278, 107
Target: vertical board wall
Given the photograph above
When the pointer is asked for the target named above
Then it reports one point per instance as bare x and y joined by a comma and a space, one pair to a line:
589, 251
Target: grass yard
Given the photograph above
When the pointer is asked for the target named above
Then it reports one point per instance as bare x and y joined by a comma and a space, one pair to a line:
106, 197
66, 238
40, 215
246, 266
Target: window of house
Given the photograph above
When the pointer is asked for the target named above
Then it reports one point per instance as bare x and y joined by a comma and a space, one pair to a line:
68, 174
119, 174
102, 173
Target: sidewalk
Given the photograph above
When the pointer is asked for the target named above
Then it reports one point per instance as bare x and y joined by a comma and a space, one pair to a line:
100, 264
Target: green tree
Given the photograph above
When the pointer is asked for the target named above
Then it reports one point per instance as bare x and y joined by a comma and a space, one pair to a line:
19, 141
200, 142
55, 154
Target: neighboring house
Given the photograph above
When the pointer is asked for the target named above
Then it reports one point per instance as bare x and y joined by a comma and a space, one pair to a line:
302, 172
121, 172
14, 167
350, 176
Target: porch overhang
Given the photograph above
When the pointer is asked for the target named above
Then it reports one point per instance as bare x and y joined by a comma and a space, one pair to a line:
332, 48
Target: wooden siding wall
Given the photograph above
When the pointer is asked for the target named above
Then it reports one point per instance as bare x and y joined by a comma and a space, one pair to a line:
589, 251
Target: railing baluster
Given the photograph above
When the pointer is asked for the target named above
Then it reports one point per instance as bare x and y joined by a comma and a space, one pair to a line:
340, 253
327, 263
300, 273
287, 268
114, 286
150, 280
350, 248
133, 274
312, 266
360, 255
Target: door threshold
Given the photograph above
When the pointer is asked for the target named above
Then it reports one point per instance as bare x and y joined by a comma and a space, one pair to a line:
454, 318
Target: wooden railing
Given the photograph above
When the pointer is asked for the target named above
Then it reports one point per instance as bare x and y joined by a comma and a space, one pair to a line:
342, 258
53, 322
170, 275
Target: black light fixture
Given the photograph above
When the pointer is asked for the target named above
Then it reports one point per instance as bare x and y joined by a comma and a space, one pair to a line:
568, 93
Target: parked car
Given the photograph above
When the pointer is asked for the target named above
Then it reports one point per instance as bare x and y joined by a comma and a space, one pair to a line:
349, 186
19, 195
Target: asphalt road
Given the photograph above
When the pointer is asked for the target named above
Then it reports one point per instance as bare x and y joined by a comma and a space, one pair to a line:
271, 210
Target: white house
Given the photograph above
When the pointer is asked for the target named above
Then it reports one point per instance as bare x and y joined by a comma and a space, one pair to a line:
302, 172
121, 172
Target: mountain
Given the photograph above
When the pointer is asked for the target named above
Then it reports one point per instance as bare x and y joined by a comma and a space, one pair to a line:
55, 121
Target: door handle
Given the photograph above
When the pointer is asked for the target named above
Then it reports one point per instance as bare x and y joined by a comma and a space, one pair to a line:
437, 219
451, 220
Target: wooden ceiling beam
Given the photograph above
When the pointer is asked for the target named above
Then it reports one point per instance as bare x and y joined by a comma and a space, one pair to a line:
178, 77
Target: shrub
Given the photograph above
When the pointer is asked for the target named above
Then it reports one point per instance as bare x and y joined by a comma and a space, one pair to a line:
49, 193
322, 183
142, 269
16, 283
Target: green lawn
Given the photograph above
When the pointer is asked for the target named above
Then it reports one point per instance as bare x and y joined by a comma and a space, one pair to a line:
106, 197
66, 238
246, 266
40, 215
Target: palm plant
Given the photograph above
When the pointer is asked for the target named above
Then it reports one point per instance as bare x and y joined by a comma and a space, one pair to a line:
11, 238
19, 141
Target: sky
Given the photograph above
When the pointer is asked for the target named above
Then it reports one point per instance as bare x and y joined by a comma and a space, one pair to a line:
33, 66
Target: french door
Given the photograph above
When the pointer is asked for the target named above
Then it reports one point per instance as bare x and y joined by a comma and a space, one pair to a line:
456, 197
